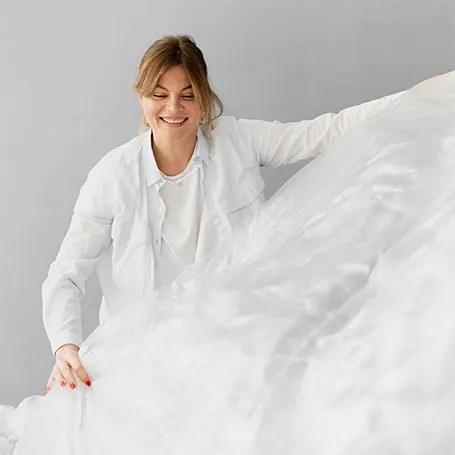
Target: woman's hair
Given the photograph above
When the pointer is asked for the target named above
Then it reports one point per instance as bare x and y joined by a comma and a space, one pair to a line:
170, 51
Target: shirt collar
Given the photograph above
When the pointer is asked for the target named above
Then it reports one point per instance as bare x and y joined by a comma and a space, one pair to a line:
151, 170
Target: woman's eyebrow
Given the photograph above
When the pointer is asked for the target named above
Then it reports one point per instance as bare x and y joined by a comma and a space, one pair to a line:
164, 88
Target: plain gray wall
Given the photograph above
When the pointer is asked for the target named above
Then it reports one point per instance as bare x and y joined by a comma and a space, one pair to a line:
66, 100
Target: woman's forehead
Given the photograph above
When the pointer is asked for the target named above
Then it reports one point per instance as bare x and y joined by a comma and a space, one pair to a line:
174, 77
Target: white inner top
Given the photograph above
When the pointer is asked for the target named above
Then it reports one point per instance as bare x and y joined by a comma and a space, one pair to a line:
188, 231
183, 200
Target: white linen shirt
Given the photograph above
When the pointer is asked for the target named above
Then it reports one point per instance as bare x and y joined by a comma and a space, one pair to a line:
110, 228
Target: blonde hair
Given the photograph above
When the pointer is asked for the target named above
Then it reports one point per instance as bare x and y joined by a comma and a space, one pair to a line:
170, 51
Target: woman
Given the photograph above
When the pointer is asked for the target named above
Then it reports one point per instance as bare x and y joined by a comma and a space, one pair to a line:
296, 334
162, 201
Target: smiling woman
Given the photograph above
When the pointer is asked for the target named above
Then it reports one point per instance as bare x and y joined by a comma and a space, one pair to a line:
165, 199
175, 95
154, 210
174, 114
191, 79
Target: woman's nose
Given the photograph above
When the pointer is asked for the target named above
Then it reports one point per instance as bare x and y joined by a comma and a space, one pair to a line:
174, 104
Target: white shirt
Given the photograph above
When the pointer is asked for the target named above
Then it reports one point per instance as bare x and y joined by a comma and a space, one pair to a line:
117, 221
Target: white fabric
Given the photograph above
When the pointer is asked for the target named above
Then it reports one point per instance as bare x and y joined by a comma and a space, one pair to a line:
325, 328
183, 201
183, 239
110, 227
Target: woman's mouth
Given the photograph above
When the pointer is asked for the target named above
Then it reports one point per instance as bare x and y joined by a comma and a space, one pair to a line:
174, 122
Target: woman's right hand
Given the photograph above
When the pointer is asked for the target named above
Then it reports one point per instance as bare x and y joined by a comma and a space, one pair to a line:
67, 362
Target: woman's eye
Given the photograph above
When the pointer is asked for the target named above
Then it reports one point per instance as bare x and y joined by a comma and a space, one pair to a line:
161, 96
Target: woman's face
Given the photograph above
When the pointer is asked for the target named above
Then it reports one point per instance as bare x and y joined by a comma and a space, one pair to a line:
172, 110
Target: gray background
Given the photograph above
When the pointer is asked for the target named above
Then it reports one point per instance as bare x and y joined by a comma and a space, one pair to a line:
66, 100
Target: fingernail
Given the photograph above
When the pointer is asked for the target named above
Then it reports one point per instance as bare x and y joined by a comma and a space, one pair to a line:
45, 389
62, 383
72, 385
88, 383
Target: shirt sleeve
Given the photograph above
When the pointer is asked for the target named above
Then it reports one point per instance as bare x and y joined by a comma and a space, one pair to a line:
87, 238
276, 144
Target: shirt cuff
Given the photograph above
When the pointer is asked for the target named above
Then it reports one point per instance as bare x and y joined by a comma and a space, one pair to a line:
59, 339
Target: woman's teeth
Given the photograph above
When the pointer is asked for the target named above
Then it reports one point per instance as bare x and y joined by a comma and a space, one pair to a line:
173, 122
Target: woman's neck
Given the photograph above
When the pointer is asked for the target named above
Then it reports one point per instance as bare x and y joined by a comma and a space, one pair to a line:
173, 157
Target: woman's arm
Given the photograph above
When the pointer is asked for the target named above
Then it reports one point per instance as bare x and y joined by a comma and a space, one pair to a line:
277, 143
88, 236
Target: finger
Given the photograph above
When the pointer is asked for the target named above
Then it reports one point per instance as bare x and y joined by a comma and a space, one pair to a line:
60, 379
81, 372
66, 372
49, 382
79, 369
51, 378
83, 375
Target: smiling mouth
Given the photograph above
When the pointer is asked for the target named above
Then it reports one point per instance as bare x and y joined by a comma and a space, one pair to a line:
180, 122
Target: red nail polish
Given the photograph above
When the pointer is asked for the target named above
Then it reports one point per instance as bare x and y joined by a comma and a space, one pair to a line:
88, 383
62, 383
72, 385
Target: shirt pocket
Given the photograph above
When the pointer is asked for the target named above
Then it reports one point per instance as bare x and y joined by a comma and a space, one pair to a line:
242, 191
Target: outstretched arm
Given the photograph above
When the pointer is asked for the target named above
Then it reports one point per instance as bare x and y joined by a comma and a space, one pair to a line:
276, 143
